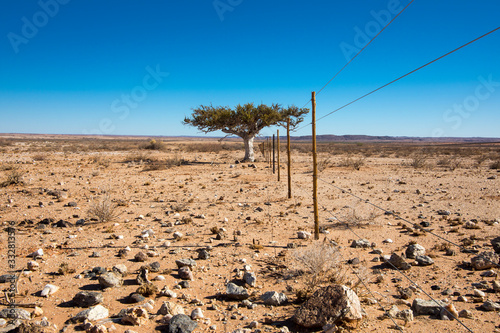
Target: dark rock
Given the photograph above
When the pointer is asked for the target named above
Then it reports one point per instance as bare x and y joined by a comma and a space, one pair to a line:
398, 262
423, 307
203, 254
7, 278
71, 204
136, 298
181, 323
62, 224
353, 261
184, 284
154, 267
236, 292
185, 273
85, 299
329, 305
141, 257
443, 212
496, 244
99, 270
485, 260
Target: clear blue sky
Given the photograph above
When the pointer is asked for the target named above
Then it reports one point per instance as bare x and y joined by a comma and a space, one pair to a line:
139, 67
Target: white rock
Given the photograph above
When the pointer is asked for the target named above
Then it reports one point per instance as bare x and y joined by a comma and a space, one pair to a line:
33, 265
388, 240
159, 278
49, 289
197, 314
37, 253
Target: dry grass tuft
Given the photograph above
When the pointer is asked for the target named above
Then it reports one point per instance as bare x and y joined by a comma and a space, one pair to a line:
14, 177
104, 211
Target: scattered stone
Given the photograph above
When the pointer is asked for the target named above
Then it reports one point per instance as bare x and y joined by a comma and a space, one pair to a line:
236, 292
203, 254
33, 266
414, 250
136, 298
181, 324
398, 262
171, 309
329, 305
361, 243
250, 278
120, 269
423, 307
154, 267
197, 314
49, 289
141, 257
449, 312
444, 212
185, 273
485, 260
110, 280
490, 273
185, 263
496, 285
95, 254
303, 234
479, 293
177, 235
7, 278
87, 298
462, 299
496, 244
465, 314
94, 313
37, 312
15, 313
38, 253
388, 241
135, 316
490, 306
274, 298
424, 260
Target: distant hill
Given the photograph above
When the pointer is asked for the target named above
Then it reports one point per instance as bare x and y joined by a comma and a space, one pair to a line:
368, 138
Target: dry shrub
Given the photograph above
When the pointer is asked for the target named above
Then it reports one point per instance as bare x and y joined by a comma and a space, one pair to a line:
138, 157
451, 163
14, 177
104, 211
418, 161
154, 145
350, 162
324, 164
164, 164
321, 263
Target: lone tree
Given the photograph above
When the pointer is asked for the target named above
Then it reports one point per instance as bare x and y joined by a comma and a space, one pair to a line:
245, 121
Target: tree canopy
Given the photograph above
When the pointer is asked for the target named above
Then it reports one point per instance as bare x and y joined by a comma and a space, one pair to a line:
245, 121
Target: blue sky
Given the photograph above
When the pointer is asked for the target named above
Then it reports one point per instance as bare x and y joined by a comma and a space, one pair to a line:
139, 67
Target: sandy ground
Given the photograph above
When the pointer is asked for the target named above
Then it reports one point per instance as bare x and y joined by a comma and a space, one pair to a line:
259, 222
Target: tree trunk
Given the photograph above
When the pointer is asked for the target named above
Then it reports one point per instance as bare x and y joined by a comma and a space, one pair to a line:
249, 155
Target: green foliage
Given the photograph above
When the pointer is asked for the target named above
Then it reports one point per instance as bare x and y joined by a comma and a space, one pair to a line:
244, 120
